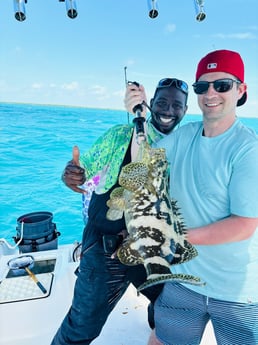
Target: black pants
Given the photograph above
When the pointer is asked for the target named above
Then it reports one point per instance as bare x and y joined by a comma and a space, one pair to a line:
101, 282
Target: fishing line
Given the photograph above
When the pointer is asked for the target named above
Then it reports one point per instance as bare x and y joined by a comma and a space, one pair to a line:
126, 82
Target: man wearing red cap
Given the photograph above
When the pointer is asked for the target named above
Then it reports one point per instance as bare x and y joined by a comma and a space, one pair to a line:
213, 175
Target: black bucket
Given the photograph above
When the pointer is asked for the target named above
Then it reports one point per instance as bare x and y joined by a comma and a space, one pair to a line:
38, 232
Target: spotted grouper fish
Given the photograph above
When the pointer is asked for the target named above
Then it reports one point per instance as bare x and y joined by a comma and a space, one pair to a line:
155, 226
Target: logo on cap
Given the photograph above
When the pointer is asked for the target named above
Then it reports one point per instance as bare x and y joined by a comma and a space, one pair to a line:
212, 65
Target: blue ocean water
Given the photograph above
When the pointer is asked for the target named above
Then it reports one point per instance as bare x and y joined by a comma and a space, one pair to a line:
35, 143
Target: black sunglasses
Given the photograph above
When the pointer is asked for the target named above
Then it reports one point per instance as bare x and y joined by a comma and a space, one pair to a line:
219, 85
179, 84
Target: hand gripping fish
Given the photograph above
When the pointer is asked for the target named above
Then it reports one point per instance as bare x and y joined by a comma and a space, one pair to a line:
156, 229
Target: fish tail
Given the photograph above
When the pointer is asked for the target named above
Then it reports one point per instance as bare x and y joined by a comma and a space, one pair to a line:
175, 278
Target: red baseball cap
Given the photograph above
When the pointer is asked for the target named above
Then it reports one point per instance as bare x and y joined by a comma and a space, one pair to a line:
223, 61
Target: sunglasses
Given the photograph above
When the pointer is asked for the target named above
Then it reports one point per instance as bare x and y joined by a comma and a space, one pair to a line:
179, 84
219, 85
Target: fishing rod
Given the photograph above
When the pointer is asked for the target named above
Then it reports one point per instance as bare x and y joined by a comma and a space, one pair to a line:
137, 110
126, 82
139, 119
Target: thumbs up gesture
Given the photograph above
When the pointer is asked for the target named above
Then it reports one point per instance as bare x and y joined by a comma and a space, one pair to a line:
76, 155
73, 175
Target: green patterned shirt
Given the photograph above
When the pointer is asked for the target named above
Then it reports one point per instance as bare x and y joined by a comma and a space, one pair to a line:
105, 157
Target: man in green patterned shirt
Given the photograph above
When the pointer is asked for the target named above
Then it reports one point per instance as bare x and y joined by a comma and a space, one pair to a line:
101, 278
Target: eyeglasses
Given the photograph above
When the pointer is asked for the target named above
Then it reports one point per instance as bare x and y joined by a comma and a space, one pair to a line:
179, 84
219, 85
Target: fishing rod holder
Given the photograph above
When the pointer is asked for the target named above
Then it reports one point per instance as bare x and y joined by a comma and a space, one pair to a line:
71, 8
153, 8
19, 10
199, 9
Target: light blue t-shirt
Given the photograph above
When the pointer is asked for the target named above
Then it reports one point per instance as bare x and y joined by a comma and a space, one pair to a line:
212, 178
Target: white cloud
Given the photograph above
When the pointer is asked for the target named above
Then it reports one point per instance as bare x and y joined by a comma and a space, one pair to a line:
130, 62
36, 86
71, 86
119, 93
170, 28
253, 27
99, 91
18, 49
239, 36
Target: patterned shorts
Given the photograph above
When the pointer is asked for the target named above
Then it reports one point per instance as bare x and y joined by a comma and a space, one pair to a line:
181, 316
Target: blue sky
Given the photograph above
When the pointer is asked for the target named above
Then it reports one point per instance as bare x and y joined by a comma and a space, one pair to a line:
52, 59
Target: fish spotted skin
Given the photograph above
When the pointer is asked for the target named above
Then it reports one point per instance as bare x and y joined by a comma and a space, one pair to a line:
154, 223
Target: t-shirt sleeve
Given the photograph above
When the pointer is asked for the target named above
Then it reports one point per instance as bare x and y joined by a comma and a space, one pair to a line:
243, 186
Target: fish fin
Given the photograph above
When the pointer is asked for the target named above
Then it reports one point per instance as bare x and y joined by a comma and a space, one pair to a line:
179, 224
116, 204
184, 253
176, 278
114, 214
128, 256
117, 193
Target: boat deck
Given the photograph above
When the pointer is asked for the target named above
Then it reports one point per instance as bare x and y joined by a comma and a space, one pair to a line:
128, 325
28, 319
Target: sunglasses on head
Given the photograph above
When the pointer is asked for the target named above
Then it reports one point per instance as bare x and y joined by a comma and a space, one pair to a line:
179, 84
219, 85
